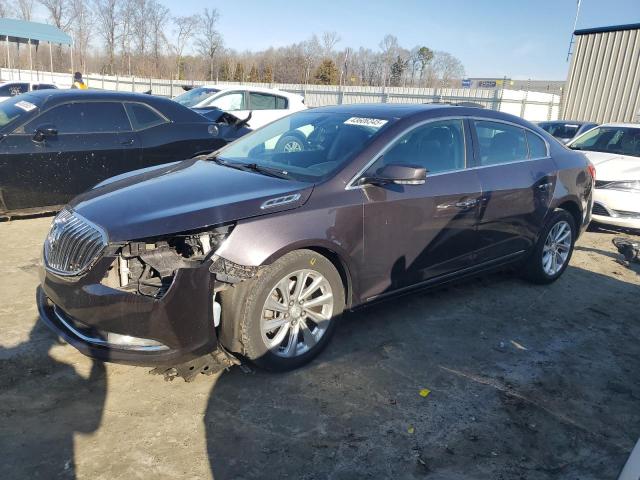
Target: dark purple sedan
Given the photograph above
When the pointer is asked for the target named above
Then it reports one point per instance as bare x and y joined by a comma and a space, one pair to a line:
255, 251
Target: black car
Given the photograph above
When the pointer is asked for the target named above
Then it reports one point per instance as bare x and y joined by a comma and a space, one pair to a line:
254, 252
55, 144
566, 130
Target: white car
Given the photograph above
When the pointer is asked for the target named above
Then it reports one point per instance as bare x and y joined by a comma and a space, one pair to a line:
11, 89
264, 104
614, 149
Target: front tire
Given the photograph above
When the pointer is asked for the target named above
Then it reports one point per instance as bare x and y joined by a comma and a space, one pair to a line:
290, 310
553, 251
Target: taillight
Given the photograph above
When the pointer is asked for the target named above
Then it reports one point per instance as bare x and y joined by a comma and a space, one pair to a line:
592, 171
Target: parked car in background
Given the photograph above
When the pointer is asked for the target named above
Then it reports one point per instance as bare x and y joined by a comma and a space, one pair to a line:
614, 149
55, 144
11, 89
255, 252
264, 104
566, 130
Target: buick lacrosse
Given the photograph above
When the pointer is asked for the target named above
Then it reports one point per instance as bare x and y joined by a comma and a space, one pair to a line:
253, 252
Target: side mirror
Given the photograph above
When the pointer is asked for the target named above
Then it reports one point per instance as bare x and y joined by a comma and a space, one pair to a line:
44, 132
397, 174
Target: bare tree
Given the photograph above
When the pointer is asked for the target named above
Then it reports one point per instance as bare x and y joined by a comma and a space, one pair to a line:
125, 15
447, 68
158, 18
107, 25
311, 51
81, 28
3, 8
329, 41
389, 47
60, 13
25, 9
209, 40
184, 27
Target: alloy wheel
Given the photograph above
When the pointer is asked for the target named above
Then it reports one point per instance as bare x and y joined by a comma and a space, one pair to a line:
296, 313
556, 248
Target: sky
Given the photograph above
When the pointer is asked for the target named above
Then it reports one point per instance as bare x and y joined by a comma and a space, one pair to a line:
519, 39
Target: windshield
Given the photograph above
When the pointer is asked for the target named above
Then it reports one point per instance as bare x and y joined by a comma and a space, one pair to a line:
620, 140
14, 108
306, 146
195, 95
560, 130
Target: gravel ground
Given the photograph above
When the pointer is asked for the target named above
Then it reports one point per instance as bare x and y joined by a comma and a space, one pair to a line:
526, 382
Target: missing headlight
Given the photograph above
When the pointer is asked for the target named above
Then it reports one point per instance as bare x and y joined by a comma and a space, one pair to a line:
148, 267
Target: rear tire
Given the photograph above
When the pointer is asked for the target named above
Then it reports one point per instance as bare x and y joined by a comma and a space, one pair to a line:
553, 251
290, 310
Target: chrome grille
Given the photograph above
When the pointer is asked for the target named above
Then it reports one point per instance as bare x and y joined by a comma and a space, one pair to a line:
73, 244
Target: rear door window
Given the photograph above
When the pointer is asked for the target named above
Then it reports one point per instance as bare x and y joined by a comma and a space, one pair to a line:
500, 143
264, 101
83, 117
143, 116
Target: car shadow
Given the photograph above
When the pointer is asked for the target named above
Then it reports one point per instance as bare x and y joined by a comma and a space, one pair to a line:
489, 378
43, 404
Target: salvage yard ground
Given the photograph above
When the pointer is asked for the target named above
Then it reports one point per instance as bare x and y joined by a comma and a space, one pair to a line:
525, 382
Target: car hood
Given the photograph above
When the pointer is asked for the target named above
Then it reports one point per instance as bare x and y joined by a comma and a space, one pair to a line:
184, 196
613, 166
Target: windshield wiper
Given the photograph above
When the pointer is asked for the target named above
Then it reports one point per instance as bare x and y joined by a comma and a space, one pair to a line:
273, 172
253, 167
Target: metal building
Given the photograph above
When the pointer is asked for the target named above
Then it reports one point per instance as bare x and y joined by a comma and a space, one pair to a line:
604, 79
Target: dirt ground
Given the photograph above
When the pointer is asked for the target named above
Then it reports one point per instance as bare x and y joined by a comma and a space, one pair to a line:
526, 382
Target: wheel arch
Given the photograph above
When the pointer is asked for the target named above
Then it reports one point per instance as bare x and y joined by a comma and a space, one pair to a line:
333, 254
572, 207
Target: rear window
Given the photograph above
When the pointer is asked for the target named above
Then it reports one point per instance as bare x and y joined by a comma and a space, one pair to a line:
537, 147
13, 89
143, 117
561, 130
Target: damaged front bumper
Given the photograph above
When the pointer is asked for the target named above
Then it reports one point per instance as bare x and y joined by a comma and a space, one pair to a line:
115, 325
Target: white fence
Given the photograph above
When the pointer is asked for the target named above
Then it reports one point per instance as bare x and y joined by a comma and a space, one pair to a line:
534, 106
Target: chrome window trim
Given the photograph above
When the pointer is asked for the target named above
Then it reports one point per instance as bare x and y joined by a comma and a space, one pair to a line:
351, 183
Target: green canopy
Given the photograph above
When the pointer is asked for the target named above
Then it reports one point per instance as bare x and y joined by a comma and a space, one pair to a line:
22, 31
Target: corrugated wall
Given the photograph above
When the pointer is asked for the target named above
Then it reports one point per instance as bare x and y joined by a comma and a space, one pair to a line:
604, 79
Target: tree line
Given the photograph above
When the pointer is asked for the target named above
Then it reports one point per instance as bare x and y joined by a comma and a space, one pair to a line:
142, 38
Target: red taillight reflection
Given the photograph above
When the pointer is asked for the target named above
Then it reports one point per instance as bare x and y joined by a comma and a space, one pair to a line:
592, 171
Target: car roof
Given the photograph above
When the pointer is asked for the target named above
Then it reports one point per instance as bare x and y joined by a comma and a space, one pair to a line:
275, 91
567, 122
400, 110
166, 106
623, 125
2, 84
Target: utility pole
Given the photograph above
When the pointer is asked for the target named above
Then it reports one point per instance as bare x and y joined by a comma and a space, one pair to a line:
575, 24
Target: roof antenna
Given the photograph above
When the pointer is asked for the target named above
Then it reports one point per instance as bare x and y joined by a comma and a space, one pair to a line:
575, 24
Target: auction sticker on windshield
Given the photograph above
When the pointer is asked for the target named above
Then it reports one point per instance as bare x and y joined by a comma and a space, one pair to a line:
26, 106
366, 122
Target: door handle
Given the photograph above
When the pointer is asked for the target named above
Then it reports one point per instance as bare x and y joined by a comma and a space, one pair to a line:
129, 141
467, 203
